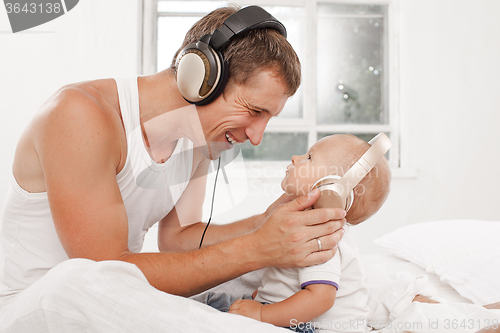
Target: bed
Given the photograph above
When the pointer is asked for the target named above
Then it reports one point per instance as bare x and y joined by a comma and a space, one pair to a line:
454, 262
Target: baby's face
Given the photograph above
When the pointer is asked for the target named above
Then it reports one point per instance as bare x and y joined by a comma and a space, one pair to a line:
306, 169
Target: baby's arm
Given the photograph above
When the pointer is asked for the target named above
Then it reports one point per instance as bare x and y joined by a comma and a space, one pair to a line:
303, 306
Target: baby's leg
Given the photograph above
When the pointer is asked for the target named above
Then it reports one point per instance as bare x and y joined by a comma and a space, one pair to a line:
489, 330
423, 299
493, 306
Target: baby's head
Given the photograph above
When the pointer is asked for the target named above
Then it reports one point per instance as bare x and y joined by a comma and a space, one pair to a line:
335, 155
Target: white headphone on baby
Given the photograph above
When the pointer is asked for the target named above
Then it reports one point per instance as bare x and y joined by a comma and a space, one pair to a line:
336, 191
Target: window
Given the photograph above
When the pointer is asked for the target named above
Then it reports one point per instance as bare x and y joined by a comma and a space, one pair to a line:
349, 70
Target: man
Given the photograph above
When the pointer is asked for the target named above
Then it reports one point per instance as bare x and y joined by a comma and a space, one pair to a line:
87, 184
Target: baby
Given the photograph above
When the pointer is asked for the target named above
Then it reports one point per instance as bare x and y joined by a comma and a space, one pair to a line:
330, 296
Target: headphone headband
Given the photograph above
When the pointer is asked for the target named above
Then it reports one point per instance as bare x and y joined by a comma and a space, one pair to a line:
246, 19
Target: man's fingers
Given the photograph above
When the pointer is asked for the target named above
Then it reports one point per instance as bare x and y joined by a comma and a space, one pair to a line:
316, 245
314, 216
326, 241
303, 202
322, 215
337, 236
329, 246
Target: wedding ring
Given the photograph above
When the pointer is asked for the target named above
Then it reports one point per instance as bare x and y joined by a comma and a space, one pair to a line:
319, 244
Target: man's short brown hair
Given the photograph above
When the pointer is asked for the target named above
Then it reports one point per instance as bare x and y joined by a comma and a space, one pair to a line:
256, 50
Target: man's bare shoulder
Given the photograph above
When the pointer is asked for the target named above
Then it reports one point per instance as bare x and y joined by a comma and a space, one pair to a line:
91, 105
79, 115
98, 96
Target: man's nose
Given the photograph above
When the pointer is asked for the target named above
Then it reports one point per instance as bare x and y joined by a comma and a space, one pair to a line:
255, 131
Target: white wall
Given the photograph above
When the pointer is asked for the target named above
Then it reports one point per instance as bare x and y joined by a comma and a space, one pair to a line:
450, 106
97, 39
450, 111
449, 100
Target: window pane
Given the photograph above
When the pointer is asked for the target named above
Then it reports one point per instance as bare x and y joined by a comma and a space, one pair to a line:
276, 147
171, 32
349, 9
176, 18
350, 65
189, 6
293, 18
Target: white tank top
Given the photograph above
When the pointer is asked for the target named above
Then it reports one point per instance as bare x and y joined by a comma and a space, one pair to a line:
29, 243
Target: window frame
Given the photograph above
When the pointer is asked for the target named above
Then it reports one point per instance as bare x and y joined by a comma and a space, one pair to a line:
307, 124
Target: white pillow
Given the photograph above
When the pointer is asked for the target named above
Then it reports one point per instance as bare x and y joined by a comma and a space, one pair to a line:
463, 253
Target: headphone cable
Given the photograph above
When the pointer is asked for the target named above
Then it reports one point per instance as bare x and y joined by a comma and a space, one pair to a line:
212, 207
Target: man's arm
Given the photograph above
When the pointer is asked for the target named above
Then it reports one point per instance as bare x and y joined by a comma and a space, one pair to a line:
175, 235
301, 307
79, 148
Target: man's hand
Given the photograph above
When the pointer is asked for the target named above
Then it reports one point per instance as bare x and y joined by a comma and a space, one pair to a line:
246, 307
288, 237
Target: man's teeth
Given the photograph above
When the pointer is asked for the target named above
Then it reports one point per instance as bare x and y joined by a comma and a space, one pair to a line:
231, 141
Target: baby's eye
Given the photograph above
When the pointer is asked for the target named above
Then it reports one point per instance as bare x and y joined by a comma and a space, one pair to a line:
309, 156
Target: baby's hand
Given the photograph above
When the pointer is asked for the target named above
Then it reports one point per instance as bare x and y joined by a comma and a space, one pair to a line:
246, 307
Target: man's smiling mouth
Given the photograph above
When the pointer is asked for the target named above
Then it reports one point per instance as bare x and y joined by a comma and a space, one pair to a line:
231, 140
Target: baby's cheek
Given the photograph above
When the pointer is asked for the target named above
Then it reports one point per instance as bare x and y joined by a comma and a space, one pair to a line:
296, 185
289, 189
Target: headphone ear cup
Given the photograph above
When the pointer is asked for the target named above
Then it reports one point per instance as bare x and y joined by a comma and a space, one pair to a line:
219, 88
190, 76
198, 72
328, 198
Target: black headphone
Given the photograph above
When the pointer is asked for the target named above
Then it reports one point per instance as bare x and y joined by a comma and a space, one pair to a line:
201, 70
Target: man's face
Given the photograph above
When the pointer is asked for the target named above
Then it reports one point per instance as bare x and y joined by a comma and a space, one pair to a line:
242, 113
